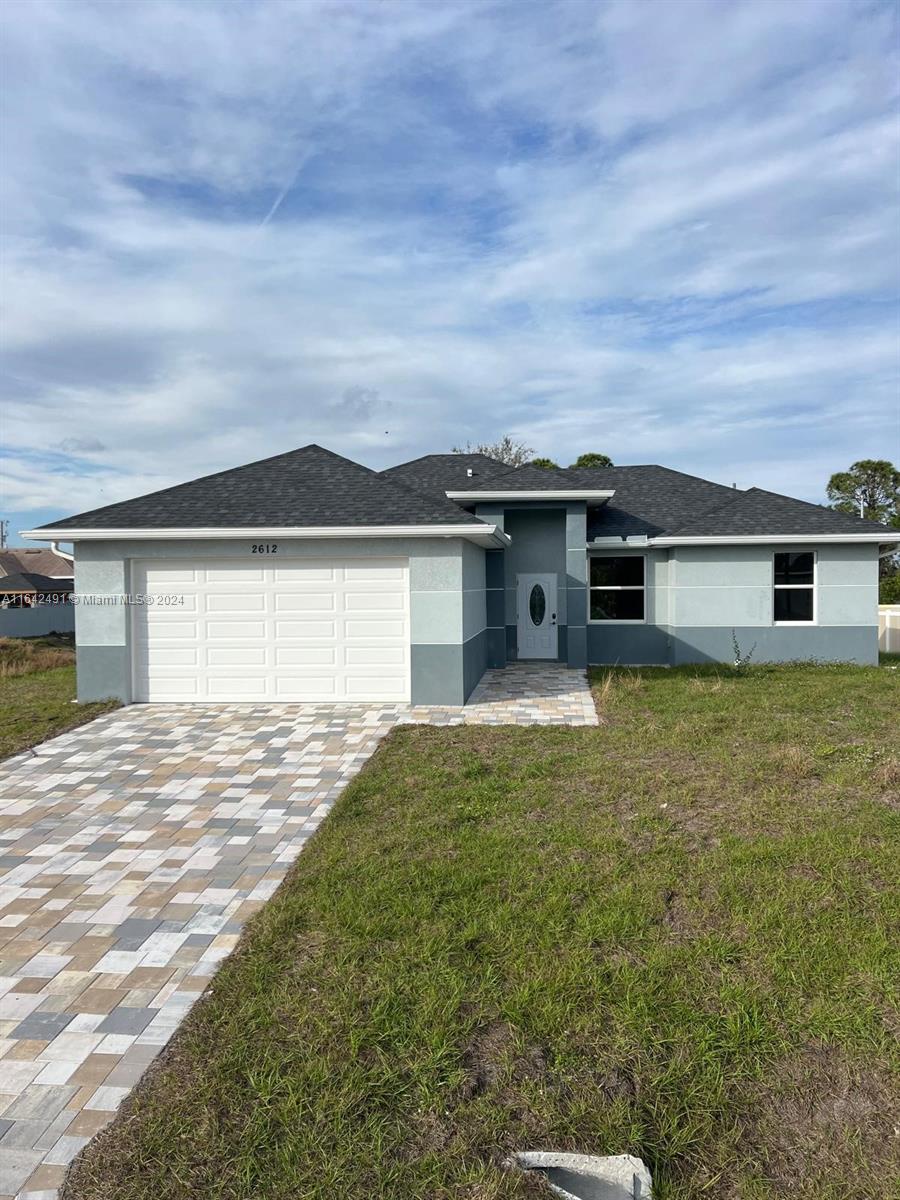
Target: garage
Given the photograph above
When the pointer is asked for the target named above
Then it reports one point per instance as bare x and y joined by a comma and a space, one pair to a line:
330, 630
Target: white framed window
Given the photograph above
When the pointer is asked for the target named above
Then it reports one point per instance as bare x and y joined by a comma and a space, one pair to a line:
617, 588
794, 587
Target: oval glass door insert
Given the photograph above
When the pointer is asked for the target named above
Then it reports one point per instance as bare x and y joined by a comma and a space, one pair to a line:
537, 604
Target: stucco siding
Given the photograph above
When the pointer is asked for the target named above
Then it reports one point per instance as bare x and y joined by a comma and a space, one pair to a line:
475, 640
474, 597
575, 652
442, 618
852, 644
631, 645
538, 546
695, 596
729, 586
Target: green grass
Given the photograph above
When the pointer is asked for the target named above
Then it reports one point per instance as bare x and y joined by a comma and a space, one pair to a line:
37, 687
674, 935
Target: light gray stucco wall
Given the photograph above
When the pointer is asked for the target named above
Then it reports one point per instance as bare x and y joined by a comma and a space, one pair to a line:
715, 589
576, 647
475, 640
447, 605
714, 586
610, 642
696, 596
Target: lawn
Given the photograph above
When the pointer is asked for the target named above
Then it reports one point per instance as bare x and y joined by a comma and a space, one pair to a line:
675, 935
37, 687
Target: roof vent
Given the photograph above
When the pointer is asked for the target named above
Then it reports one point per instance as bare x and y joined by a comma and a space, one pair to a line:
469, 472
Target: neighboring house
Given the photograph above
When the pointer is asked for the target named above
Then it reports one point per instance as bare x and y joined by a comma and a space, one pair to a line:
37, 561
26, 589
307, 577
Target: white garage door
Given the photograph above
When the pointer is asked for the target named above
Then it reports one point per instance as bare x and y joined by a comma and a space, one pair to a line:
302, 630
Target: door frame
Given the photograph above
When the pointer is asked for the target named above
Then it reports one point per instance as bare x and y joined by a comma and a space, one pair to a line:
524, 583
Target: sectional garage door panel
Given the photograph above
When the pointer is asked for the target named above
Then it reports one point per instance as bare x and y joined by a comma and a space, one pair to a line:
335, 630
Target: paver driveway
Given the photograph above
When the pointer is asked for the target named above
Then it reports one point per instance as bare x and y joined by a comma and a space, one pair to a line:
132, 851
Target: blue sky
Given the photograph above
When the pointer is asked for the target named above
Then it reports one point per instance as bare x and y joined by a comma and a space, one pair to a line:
668, 231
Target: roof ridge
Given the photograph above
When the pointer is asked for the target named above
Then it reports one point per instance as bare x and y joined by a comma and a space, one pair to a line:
822, 507
744, 496
276, 484
549, 471
449, 454
430, 498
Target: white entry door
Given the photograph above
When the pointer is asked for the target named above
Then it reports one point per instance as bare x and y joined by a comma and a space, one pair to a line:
329, 630
538, 632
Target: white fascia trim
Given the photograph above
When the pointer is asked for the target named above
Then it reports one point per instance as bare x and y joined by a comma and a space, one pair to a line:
781, 539
490, 535
559, 494
639, 542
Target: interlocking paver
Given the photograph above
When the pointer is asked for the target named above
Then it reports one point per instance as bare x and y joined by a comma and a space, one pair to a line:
132, 852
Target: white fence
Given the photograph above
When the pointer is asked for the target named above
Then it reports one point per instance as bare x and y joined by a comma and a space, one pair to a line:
889, 628
32, 622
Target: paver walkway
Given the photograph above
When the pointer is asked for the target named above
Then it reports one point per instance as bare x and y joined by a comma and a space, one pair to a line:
132, 852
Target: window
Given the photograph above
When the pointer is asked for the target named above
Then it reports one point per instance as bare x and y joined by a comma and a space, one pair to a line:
794, 588
616, 588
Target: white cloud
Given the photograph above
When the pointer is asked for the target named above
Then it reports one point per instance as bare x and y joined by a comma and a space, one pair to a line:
668, 233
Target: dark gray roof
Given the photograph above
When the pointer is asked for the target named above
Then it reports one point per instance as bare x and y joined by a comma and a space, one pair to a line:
528, 479
658, 501
306, 487
649, 500
315, 487
441, 473
756, 512
31, 581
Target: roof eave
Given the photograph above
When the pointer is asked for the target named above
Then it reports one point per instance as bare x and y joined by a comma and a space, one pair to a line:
481, 534
782, 538
600, 496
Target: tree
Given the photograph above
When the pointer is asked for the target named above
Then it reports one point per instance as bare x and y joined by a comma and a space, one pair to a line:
592, 459
507, 450
889, 588
546, 464
870, 488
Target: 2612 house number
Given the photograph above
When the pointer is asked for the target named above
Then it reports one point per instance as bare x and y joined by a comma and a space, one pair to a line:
264, 548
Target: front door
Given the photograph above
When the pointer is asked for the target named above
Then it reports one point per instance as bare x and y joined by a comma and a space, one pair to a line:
537, 626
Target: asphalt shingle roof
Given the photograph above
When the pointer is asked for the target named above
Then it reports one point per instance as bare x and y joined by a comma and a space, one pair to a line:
438, 474
528, 478
42, 562
756, 512
648, 500
304, 488
315, 487
31, 581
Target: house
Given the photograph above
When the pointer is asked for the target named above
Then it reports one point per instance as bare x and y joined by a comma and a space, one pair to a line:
29, 560
25, 589
307, 577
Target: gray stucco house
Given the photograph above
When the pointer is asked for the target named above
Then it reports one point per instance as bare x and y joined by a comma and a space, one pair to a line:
307, 577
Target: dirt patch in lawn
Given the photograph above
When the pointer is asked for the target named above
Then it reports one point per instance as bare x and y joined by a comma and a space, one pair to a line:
824, 1120
492, 1054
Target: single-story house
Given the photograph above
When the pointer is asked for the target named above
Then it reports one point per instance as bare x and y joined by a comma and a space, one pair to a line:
25, 589
307, 577
37, 560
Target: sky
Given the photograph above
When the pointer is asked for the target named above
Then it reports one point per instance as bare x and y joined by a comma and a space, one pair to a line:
666, 230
